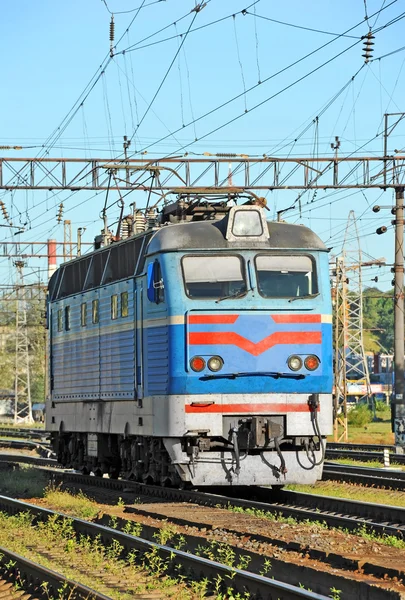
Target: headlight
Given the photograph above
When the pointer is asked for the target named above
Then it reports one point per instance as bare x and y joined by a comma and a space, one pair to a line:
215, 363
311, 362
197, 363
294, 363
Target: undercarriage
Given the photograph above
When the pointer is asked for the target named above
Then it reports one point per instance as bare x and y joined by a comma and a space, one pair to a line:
192, 460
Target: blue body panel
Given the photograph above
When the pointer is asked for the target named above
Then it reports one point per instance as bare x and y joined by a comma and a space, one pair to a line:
147, 353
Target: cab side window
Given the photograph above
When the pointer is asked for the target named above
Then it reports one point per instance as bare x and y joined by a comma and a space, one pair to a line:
124, 304
156, 288
160, 288
95, 311
114, 306
83, 314
67, 318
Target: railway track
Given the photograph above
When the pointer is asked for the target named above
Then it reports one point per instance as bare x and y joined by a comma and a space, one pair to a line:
361, 447
44, 450
191, 565
335, 512
32, 579
31, 434
369, 476
364, 455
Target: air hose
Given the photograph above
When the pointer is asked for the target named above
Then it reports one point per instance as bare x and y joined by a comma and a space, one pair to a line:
313, 406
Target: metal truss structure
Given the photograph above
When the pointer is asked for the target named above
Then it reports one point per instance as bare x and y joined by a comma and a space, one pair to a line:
26, 250
181, 174
350, 358
22, 385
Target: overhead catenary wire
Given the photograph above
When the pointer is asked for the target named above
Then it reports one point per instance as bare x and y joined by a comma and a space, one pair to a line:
125, 12
196, 12
234, 98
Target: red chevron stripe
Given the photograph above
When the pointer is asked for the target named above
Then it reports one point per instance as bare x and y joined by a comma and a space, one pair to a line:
234, 339
208, 319
296, 318
272, 407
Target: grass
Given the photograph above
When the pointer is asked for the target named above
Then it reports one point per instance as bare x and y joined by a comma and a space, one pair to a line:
11, 425
378, 432
352, 491
24, 483
75, 504
55, 545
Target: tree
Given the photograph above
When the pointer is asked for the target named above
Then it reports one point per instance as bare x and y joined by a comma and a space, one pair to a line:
378, 316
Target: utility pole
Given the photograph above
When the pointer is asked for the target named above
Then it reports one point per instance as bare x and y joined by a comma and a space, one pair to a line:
67, 241
22, 385
399, 420
340, 398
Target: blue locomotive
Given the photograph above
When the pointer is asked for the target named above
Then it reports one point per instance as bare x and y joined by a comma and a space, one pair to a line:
197, 351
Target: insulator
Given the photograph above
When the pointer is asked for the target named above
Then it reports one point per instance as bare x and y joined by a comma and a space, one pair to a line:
60, 213
140, 222
381, 230
126, 227
112, 28
393, 282
151, 218
376, 208
368, 47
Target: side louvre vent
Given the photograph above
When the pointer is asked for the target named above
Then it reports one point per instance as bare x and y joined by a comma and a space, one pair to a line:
157, 352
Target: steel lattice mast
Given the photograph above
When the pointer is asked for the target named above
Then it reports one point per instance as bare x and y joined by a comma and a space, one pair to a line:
350, 357
22, 385
340, 313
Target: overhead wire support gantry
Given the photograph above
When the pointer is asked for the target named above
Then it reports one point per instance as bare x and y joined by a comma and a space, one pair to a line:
263, 173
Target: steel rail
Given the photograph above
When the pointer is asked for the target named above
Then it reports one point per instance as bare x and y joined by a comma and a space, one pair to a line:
369, 476
347, 514
363, 447
31, 575
31, 460
32, 434
364, 456
42, 449
240, 580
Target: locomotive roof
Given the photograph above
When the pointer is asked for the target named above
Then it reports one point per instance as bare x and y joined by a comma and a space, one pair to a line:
211, 234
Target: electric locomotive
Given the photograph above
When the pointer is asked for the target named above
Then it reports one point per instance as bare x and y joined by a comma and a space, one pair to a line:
197, 351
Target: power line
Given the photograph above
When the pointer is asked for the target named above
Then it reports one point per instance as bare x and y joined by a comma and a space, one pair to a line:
197, 10
224, 104
124, 12
302, 27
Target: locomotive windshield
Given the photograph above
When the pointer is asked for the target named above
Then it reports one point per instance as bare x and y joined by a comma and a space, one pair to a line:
213, 276
281, 276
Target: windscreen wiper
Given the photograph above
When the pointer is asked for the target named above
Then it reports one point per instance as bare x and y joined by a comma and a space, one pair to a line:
303, 297
274, 374
238, 294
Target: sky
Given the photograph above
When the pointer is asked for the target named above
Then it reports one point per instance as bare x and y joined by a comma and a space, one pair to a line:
171, 66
